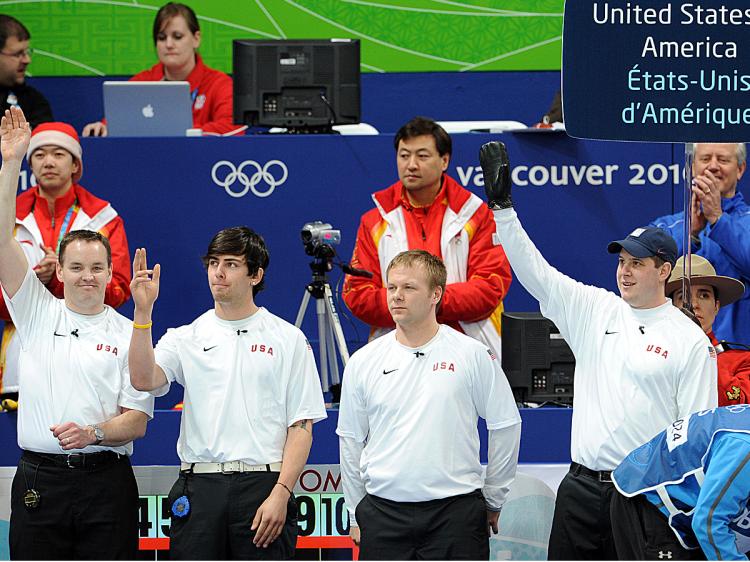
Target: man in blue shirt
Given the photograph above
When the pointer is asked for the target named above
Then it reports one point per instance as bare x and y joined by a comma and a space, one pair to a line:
687, 490
720, 227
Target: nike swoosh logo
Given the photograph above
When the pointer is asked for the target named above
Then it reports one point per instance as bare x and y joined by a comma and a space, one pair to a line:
608, 333
389, 372
61, 335
208, 348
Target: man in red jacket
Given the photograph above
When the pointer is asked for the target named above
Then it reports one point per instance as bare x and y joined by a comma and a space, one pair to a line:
709, 293
48, 211
428, 210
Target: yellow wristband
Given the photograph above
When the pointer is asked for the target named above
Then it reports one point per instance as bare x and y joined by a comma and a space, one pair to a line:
143, 326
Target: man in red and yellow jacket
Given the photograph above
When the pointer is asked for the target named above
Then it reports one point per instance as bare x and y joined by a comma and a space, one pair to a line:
710, 292
428, 210
48, 211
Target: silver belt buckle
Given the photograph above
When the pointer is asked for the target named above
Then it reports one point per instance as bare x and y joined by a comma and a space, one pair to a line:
70, 456
230, 464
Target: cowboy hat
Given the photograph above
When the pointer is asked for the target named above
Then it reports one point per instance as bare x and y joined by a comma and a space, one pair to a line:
728, 289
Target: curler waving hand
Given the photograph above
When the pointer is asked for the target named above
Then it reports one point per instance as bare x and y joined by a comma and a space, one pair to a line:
494, 161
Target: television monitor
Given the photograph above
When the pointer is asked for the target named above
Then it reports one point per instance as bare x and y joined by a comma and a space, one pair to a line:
303, 85
536, 359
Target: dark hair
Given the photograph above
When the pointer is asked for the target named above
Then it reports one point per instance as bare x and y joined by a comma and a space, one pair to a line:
11, 27
714, 290
170, 10
425, 126
240, 241
658, 261
89, 236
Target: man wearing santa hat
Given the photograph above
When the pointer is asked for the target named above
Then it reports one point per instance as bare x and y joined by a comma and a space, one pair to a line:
48, 211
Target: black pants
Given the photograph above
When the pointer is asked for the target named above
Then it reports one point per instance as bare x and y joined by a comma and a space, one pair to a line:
84, 513
452, 528
581, 528
222, 508
641, 532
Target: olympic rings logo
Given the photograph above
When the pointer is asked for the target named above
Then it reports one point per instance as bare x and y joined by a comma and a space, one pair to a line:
250, 182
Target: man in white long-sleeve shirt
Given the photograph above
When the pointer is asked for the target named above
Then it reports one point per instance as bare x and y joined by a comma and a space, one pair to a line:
640, 362
410, 404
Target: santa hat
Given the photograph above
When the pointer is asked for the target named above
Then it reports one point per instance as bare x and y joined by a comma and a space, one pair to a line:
57, 134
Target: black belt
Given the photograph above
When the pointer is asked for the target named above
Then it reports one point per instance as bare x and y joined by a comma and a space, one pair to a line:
73, 460
600, 475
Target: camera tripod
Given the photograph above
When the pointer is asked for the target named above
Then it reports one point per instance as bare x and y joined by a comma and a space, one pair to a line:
330, 334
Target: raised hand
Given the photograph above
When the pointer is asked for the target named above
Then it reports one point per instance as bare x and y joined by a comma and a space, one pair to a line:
145, 284
45, 269
494, 161
15, 133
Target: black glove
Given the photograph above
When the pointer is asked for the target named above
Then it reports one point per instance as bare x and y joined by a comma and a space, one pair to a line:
494, 161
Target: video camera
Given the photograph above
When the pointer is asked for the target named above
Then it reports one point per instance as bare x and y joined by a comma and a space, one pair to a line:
319, 238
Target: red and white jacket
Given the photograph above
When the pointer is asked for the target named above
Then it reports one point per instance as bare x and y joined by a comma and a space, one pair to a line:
457, 227
35, 226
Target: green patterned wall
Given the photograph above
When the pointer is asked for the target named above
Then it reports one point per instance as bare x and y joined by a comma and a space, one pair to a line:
103, 37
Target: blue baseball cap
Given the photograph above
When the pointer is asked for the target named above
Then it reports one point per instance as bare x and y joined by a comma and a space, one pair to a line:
646, 242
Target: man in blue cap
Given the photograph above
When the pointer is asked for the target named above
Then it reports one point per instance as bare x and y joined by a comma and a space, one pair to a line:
640, 362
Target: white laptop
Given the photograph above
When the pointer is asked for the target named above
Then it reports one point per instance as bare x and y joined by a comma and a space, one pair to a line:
147, 109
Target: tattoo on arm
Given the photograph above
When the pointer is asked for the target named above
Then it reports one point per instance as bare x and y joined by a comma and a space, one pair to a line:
303, 424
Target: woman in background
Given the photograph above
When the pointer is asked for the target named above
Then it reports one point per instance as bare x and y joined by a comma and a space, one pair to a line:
177, 37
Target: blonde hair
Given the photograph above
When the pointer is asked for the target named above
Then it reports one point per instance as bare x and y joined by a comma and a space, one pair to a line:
437, 275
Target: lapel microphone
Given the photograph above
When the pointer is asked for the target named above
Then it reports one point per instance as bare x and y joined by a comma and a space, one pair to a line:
418, 354
74, 332
240, 332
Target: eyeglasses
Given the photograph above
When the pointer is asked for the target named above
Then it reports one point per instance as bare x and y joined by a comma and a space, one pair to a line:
20, 54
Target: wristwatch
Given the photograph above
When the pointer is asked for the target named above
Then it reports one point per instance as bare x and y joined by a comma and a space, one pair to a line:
98, 433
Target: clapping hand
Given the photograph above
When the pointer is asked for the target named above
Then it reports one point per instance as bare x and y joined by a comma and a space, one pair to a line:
706, 204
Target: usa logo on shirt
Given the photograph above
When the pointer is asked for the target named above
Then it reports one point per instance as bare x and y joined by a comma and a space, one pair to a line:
261, 348
444, 366
658, 350
107, 348
711, 352
492, 355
